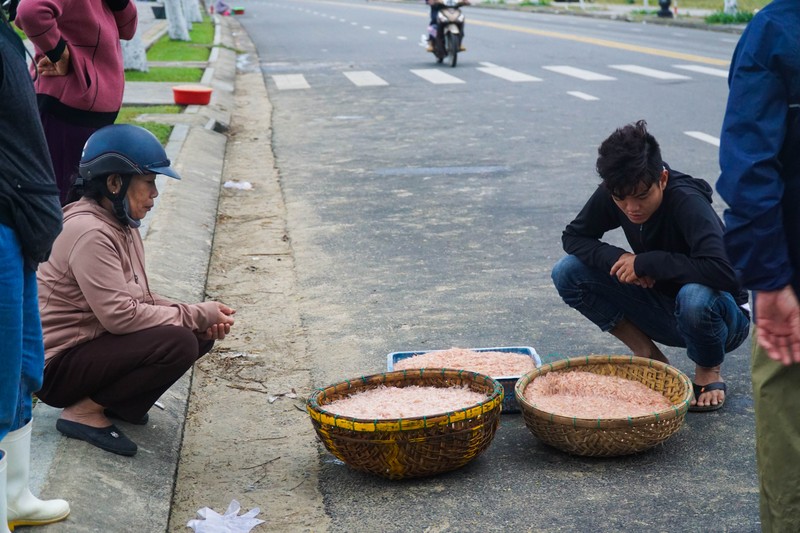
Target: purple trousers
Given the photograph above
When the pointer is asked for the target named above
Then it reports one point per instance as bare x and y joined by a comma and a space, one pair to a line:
126, 373
65, 142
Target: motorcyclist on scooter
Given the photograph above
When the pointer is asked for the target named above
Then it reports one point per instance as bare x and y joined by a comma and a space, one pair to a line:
435, 6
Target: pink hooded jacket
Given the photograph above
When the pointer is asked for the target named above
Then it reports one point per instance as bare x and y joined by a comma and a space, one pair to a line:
92, 30
95, 283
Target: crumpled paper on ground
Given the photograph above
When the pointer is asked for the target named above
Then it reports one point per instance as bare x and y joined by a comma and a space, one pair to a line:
241, 185
212, 522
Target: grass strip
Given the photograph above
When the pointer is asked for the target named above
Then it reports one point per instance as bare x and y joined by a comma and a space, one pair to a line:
172, 74
198, 49
129, 114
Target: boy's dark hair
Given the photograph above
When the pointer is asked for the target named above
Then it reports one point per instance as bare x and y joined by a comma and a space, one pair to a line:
629, 156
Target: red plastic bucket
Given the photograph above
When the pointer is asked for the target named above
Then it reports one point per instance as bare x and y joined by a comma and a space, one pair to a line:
191, 94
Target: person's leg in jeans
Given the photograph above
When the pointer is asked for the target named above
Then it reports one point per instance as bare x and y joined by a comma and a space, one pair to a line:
124, 373
11, 298
32, 350
711, 324
21, 359
635, 315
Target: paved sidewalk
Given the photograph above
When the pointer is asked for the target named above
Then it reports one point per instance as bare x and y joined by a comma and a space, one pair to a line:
110, 493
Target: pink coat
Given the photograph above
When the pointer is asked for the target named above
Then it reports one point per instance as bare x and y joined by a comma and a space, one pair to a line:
96, 79
95, 283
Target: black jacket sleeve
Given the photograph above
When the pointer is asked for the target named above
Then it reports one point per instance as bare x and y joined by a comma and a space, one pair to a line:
581, 237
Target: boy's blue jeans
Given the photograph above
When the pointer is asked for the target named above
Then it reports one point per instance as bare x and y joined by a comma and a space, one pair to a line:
21, 346
705, 321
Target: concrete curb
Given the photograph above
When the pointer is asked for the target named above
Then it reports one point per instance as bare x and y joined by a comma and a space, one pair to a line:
112, 493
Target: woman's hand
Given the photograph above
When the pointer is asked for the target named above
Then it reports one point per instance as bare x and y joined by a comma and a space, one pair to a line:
59, 68
222, 325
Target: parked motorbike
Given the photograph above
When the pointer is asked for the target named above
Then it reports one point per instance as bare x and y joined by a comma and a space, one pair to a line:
447, 33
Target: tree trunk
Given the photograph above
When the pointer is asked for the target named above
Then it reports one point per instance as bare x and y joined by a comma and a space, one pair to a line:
193, 13
185, 7
730, 7
134, 55
177, 28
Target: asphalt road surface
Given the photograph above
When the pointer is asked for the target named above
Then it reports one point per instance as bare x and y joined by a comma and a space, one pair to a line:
426, 205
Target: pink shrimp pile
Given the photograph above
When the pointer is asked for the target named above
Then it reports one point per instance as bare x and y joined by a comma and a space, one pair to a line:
405, 402
588, 395
493, 364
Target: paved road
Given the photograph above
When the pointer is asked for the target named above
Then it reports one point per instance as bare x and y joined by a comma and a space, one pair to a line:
425, 215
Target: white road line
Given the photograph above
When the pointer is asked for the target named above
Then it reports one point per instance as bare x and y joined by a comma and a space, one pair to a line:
436, 76
704, 70
366, 27
705, 137
365, 78
342, 20
650, 72
508, 74
402, 37
382, 32
290, 81
582, 96
354, 23
578, 73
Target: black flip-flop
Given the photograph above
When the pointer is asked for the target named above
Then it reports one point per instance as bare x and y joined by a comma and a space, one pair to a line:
697, 390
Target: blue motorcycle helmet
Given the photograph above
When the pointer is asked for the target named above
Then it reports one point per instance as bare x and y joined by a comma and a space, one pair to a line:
126, 150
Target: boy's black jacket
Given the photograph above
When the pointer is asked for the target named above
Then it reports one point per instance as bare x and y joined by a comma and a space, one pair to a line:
681, 243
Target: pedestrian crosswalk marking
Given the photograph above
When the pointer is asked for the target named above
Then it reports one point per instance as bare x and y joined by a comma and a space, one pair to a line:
579, 73
506, 73
365, 78
436, 76
582, 96
290, 81
650, 72
704, 70
705, 137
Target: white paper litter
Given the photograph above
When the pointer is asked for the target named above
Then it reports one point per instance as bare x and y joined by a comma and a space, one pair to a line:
241, 185
212, 522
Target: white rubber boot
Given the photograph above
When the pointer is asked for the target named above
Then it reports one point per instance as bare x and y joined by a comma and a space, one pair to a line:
25, 509
3, 517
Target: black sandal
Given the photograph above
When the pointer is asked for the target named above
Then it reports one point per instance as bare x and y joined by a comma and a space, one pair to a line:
697, 390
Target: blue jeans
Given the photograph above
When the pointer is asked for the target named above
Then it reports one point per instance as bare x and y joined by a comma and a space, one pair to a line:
705, 321
21, 346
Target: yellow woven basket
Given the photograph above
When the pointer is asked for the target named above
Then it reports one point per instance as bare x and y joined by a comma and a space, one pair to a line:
409, 447
610, 436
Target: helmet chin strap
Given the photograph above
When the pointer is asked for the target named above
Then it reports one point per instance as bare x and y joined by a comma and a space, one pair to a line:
123, 213
121, 206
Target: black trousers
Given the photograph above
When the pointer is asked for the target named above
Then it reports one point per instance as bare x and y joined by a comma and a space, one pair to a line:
126, 373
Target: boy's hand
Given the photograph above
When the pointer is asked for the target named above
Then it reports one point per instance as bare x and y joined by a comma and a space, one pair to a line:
625, 273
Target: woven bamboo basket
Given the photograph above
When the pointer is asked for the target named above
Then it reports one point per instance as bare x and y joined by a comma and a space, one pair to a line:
409, 447
610, 436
